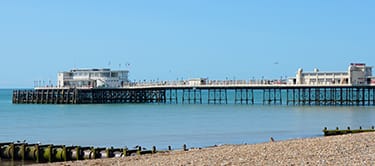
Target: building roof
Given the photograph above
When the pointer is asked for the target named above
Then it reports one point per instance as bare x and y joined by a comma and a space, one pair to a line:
78, 70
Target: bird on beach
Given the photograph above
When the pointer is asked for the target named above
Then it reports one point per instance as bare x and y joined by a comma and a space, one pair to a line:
271, 139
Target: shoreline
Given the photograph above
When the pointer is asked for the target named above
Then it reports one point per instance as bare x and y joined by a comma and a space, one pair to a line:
351, 149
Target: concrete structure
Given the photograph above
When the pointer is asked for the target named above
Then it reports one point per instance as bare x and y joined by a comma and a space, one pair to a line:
93, 78
357, 74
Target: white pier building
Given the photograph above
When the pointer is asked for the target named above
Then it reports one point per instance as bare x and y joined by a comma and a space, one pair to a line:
357, 74
93, 78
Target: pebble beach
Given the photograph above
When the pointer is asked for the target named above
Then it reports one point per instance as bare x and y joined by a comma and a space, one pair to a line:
352, 149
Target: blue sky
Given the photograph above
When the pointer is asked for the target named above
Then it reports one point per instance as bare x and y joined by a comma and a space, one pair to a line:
167, 40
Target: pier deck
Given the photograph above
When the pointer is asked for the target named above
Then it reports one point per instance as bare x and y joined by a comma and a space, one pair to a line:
214, 93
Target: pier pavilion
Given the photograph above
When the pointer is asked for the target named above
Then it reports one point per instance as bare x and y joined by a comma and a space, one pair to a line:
92, 78
357, 74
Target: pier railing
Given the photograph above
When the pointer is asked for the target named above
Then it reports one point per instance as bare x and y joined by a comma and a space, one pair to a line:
209, 84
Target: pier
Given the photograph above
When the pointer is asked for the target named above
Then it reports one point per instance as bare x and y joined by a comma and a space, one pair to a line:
356, 86
211, 93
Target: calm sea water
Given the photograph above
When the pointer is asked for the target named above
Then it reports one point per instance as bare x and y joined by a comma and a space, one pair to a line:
161, 125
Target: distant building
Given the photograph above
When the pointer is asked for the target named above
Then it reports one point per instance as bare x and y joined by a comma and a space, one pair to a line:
198, 81
93, 78
357, 74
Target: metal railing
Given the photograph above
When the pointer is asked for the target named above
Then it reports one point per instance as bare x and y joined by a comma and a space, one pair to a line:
207, 84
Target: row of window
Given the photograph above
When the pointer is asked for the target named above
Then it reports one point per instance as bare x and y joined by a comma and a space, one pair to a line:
96, 74
324, 74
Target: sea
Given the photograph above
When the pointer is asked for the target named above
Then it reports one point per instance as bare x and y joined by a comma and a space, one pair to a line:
163, 125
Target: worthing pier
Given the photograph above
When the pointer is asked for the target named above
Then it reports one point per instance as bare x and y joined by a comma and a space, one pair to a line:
356, 86
203, 94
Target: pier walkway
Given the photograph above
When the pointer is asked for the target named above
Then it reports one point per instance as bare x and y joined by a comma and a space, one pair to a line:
211, 92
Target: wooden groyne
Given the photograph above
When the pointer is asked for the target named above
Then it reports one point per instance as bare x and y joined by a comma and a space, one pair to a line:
223, 94
57, 153
338, 131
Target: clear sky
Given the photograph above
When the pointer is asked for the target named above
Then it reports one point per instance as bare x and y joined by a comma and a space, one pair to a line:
174, 39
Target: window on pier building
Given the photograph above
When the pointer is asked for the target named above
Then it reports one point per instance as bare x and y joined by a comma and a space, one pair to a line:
104, 74
114, 74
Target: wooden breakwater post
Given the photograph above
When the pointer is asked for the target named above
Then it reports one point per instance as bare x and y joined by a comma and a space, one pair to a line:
337, 131
184, 147
153, 149
37, 153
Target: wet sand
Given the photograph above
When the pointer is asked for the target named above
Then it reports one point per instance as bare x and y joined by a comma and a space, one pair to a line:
352, 149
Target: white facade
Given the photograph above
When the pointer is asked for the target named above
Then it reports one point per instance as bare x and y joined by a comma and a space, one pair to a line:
93, 78
357, 74
198, 81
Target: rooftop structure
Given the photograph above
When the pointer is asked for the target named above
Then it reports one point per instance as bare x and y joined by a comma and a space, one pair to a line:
357, 74
93, 78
